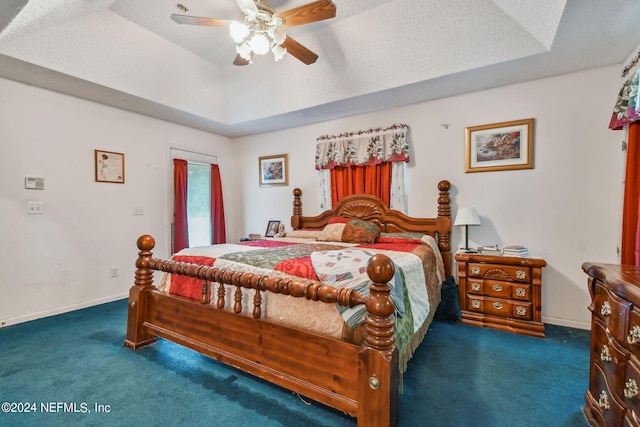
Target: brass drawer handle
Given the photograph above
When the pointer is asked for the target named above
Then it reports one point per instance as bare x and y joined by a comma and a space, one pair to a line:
603, 401
497, 306
521, 311
497, 288
634, 335
606, 309
475, 270
605, 356
630, 388
521, 274
475, 286
475, 304
521, 292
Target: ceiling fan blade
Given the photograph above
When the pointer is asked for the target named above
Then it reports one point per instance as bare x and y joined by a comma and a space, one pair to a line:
247, 4
299, 51
197, 20
240, 61
312, 12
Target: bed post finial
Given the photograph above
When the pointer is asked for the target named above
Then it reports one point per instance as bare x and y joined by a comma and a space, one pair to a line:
297, 208
444, 201
144, 275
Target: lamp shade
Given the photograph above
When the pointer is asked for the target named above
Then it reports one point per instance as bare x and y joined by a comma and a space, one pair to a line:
467, 216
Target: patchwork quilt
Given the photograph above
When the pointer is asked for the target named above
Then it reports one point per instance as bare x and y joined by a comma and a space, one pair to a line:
415, 286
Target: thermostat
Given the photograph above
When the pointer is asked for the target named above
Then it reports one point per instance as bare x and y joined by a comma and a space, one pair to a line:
33, 183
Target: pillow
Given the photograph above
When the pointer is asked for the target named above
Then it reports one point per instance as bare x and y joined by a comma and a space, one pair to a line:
332, 233
351, 231
305, 234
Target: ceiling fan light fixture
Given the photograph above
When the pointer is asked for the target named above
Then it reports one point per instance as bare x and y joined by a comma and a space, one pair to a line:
244, 50
259, 43
238, 31
277, 31
278, 52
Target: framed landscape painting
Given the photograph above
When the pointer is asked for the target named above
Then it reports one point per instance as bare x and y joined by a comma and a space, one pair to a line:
273, 170
500, 146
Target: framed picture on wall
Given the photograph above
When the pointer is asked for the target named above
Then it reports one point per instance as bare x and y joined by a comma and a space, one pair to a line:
273, 170
500, 146
109, 166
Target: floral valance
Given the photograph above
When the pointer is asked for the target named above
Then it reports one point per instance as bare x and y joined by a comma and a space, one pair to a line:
363, 148
627, 108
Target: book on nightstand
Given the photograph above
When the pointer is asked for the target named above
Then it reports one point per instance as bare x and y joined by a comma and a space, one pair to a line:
515, 250
490, 250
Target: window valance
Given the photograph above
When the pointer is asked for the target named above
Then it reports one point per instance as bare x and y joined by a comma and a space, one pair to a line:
627, 108
363, 148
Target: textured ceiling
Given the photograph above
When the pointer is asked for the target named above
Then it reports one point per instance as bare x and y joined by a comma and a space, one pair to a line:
374, 54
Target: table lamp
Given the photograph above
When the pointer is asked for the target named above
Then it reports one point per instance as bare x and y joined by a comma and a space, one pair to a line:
467, 217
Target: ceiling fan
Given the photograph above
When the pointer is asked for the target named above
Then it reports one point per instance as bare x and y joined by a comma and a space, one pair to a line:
262, 29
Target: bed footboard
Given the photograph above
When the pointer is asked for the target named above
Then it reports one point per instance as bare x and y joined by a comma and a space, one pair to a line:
361, 380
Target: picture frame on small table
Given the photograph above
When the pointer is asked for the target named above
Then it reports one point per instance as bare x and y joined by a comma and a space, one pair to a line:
273, 227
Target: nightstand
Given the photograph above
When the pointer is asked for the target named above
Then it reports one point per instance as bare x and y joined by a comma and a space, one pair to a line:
501, 292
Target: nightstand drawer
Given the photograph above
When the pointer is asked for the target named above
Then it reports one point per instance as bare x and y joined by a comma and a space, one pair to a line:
499, 289
513, 273
499, 307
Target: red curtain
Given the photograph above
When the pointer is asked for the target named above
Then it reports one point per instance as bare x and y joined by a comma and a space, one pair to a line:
180, 226
630, 227
218, 229
374, 179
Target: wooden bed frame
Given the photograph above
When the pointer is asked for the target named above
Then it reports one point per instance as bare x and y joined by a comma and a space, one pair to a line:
360, 380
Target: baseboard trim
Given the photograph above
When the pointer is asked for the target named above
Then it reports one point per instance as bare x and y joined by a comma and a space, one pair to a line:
566, 323
60, 310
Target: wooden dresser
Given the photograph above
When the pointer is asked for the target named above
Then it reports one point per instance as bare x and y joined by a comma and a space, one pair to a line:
614, 374
501, 292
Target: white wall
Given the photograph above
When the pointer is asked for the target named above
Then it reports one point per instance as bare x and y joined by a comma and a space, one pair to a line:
61, 260
566, 210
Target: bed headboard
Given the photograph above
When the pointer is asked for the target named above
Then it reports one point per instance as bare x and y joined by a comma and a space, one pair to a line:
373, 209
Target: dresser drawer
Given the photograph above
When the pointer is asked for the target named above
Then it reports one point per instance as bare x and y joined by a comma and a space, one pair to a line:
631, 419
499, 289
611, 354
632, 342
605, 400
499, 307
512, 273
612, 310
630, 390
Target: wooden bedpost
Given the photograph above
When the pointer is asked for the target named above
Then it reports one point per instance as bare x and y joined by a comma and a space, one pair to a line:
297, 208
136, 336
378, 358
444, 225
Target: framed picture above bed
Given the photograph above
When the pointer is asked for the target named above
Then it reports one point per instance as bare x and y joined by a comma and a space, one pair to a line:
500, 146
273, 170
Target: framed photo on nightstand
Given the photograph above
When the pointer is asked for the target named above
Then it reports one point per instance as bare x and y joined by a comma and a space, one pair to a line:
273, 227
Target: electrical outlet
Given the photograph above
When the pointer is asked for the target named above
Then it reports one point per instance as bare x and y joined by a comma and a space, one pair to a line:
114, 271
138, 210
35, 207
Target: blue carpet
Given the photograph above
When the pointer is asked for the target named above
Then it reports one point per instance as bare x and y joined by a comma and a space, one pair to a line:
460, 376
